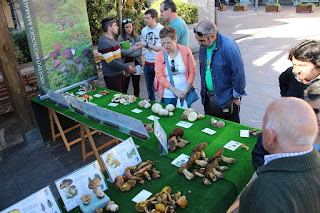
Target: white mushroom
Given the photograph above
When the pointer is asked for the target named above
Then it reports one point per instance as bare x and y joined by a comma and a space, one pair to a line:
156, 107
147, 105
192, 116
171, 114
132, 99
163, 112
170, 107
142, 103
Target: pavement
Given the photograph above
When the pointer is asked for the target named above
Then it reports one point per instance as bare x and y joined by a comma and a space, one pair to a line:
264, 40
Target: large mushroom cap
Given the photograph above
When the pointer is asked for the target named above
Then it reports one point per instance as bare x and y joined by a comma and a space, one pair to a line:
86, 52
178, 132
94, 183
183, 167
54, 54
62, 23
78, 60
86, 197
218, 153
57, 47
200, 147
65, 182
71, 24
69, 52
57, 63
195, 156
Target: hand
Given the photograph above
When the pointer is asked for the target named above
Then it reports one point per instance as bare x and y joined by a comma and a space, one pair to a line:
131, 70
140, 44
236, 101
180, 94
134, 48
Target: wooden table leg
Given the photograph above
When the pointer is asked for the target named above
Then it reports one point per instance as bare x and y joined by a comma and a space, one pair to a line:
53, 134
55, 117
83, 144
94, 148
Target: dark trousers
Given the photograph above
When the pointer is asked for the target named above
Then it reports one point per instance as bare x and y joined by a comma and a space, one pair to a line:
135, 83
149, 75
233, 117
115, 82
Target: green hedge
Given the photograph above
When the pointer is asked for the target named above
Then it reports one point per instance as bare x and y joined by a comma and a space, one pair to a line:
187, 11
20, 43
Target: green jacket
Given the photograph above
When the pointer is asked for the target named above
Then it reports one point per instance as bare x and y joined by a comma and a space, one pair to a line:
290, 184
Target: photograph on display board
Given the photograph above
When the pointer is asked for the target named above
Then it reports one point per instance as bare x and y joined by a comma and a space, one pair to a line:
60, 41
41, 201
120, 157
76, 184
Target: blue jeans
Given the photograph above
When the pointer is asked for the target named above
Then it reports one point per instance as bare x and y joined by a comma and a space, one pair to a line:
149, 75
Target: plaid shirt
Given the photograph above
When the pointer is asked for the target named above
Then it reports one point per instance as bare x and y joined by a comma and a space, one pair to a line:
271, 157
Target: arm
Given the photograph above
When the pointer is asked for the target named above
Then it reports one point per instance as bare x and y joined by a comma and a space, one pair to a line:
131, 52
284, 81
143, 44
109, 56
191, 69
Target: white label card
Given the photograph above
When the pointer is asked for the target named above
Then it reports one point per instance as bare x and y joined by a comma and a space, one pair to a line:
80, 92
97, 95
183, 158
209, 131
143, 195
184, 124
244, 133
152, 117
232, 145
136, 110
113, 104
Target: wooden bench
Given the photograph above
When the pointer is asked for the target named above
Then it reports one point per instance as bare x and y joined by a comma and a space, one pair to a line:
30, 83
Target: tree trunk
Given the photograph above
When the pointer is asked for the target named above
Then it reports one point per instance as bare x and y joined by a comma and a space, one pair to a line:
119, 7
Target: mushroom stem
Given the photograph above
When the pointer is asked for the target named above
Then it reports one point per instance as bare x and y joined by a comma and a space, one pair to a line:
218, 174
188, 174
222, 168
201, 163
228, 160
196, 173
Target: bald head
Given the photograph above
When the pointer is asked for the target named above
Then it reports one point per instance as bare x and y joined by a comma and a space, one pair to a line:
207, 27
292, 123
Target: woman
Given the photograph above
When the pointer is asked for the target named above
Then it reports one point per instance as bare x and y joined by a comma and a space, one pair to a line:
130, 55
182, 68
306, 69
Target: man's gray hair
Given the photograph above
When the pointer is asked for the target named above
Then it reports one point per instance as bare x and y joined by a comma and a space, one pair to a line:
208, 28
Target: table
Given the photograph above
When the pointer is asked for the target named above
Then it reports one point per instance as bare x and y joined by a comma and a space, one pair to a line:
217, 197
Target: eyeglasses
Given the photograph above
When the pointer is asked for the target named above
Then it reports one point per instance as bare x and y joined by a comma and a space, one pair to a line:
111, 21
199, 33
163, 10
173, 68
316, 111
127, 20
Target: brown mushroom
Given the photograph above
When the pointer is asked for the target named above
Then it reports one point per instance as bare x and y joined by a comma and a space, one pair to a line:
148, 127
94, 184
182, 202
100, 210
200, 148
142, 206
182, 143
212, 168
160, 207
86, 53
243, 146
119, 181
184, 170
144, 170
178, 132
193, 158
198, 174
154, 173
86, 199
206, 181
71, 24
68, 53
172, 144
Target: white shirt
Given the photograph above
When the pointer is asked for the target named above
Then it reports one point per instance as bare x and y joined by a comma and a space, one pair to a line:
179, 76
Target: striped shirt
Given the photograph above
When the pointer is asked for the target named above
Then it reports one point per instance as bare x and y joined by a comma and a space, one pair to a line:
271, 157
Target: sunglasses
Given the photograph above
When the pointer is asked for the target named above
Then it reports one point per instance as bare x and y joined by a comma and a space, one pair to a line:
173, 68
127, 20
199, 33
163, 10
316, 111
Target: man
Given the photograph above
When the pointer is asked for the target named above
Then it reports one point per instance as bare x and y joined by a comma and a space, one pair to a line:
222, 72
169, 13
110, 55
289, 179
152, 43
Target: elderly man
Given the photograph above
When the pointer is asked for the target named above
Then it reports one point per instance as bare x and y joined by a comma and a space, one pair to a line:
168, 11
222, 73
289, 179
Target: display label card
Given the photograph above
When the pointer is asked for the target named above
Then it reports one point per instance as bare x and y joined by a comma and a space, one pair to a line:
162, 138
136, 110
74, 185
113, 104
152, 117
117, 159
183, 158
184, 124
209, 131
141, 196
97, 95
244, 133
232, 145
81, 93
41, 201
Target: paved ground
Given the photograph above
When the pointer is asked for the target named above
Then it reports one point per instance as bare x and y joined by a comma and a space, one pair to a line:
264, 40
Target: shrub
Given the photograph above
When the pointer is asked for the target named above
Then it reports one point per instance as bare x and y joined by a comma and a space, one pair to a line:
187, 11
20, 42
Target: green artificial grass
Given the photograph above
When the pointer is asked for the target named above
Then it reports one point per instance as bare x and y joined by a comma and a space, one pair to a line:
224, 191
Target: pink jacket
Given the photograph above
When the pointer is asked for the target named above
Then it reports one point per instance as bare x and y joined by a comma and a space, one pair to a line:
160, 68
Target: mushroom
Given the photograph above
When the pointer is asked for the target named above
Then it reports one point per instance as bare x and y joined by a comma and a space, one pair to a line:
209, 172
148, 127
62, 23
198, 174
143, 169
94, 184
71, 24
80, 65
160, 207
257, 133
243, 146
54, 56
200, 116
154, 173
119, 181
170, 107
128, 185
66, 183
182, 143
222, 168
172, 144
86, 199
142, 206
193, 158
112, 206
170, 114
184, 170
64, 70
56, 63
206, 181
156, 107
68, 54
192, 116
163, 112
182, 202
57, 48
212, 168
200, 148
219, 153
221, 124
142, 103
86, 53
100, 210
178, 132
213, 122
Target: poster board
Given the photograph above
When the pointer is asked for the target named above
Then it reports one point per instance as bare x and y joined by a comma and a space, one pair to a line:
74, 185
60, 42
40, 201
162, 138
117, 159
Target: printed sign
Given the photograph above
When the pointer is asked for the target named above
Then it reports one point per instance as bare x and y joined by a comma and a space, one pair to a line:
162, 138
117, 159
60, 41
73, 186
41, 201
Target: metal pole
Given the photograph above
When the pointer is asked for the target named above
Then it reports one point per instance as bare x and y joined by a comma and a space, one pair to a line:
256, 6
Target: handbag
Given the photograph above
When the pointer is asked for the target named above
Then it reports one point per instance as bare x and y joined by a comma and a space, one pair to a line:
192, 95
216, 110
